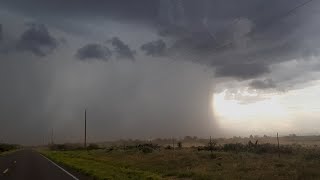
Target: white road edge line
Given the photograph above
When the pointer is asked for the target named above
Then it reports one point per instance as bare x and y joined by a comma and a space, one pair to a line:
60, 167
5, 171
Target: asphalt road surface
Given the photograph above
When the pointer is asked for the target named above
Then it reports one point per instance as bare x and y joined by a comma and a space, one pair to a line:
31, 165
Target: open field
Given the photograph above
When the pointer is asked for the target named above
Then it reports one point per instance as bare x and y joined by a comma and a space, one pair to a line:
229, 161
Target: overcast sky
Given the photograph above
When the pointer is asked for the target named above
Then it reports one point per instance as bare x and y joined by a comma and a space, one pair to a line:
161, 68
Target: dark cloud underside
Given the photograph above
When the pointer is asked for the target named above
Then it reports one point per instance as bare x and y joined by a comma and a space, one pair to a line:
120, 9
154, 48
93, 51
37, 40
263, 84
242, 71
242, 38
122, 50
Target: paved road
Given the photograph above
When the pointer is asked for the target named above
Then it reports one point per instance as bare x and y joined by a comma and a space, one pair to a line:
30, 165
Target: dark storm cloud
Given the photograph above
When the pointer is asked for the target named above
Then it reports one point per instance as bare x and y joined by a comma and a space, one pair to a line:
154, 48
263, 84
231, 35
205, 29
142, 10
37, 40
93, 51
242, 71
121, 49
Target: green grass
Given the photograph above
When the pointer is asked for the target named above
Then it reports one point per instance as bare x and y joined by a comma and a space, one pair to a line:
189, 164
98, 168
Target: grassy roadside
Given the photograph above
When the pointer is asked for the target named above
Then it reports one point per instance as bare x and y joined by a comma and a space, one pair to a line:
83, 162
8, 152
8, 148
187, 164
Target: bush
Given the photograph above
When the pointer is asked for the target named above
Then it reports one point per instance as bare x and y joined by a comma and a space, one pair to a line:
147, 149
257, 148
111, 148
65, 147
234, 147
93, 146
8, 147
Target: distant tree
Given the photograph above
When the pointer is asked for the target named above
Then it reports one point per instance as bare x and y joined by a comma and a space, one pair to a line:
93, 146
179, 144
195, 138
188, 138
211, 145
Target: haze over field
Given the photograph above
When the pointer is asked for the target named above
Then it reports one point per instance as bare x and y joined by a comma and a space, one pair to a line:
161, 68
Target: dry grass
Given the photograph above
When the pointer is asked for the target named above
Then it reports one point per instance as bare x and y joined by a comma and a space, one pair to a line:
191, 164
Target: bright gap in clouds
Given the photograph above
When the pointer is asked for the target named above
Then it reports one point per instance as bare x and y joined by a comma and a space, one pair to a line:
290, 112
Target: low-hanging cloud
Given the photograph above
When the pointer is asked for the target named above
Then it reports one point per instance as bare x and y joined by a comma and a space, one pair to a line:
121, 49
154, 48
37, 40
263, 84
244, 42
94, 52
242, 71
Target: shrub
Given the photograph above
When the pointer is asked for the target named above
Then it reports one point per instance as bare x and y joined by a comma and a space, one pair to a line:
111, 148
8, 147
234, 147
65, 147
147, 149
93, 146
257, 148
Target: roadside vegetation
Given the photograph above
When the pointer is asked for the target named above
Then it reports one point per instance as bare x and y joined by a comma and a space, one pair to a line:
250, 160
6, 148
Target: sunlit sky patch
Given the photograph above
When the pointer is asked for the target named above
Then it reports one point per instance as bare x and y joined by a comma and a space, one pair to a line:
292, 111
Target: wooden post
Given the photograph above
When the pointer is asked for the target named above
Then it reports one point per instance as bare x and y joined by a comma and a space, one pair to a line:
211, 149
278, 145
174, 153
52, 137
85, 128
173, 143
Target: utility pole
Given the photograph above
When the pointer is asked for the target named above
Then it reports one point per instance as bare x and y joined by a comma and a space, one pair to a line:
85, 128
278, 145
173, 143
52, 137
211, 148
